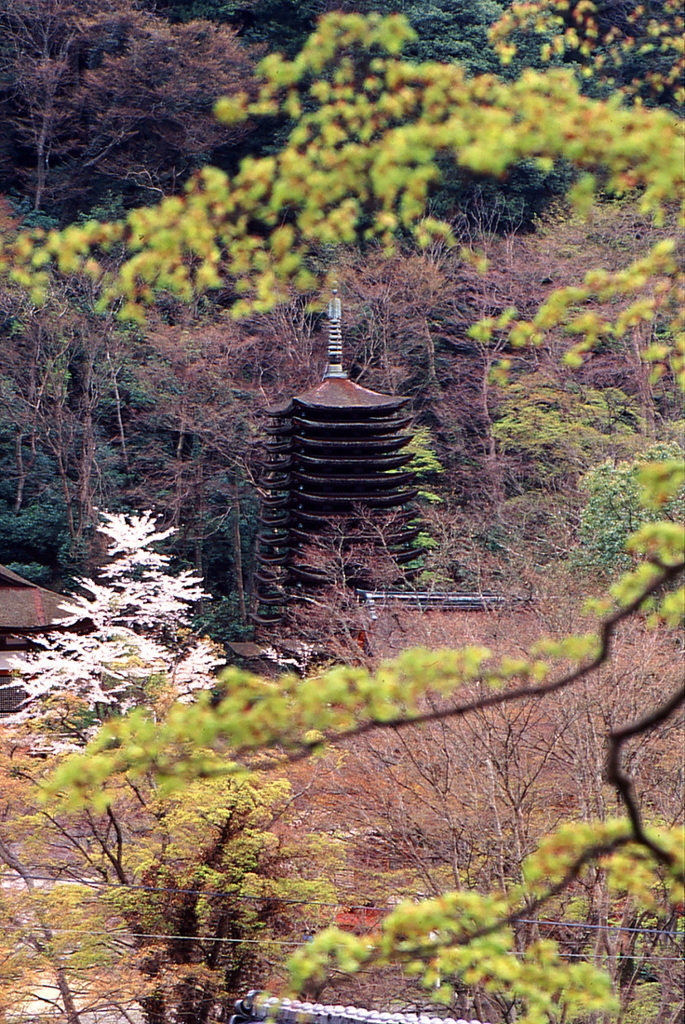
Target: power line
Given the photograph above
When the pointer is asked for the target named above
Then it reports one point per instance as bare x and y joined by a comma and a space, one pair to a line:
125, 932
603, 927
94, 882
334, 906
113, 932
299, 944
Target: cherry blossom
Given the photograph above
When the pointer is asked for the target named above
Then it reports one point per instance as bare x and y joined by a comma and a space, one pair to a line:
126, 636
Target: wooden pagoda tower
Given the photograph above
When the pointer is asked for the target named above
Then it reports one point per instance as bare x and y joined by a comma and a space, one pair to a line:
335, 489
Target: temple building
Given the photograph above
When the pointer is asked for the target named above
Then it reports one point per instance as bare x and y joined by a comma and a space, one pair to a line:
335, 489
27, 611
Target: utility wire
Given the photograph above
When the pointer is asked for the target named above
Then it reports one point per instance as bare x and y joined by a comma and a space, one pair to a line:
94, 882
114, 932
125, 932
603, 927
334, 906
298, 944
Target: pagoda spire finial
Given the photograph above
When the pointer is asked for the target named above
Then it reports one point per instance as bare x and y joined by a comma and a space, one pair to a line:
335, 367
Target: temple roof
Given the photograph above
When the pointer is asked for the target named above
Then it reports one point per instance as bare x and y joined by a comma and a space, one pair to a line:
26, 607
259, 1007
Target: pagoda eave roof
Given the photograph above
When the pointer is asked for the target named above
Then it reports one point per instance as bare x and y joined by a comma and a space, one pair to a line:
347, 446
349, 500
380, 479
345, 461
308, 575
384, 426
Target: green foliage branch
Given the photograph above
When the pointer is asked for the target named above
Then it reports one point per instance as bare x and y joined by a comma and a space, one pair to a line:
461, 934
360, 163
291, 718
183, 874
637, 48
466, 935
614, 508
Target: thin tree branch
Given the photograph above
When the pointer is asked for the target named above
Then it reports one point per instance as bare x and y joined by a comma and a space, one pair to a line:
623, 782
615, 775
606, 633
12, 862
114, 861
428, 951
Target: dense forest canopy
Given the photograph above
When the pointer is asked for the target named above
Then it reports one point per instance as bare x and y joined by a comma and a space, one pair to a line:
495, 189
104, 413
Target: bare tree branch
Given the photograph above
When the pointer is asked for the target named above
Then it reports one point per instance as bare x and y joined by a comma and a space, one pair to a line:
606, 633
623, 783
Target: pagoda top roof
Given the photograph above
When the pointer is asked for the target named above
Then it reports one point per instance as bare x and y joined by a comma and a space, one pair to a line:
341, 393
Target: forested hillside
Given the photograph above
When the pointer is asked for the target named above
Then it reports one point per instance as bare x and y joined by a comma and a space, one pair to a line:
496, 192
103, 109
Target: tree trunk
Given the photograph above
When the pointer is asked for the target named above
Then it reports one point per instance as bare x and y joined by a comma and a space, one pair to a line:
85, 509
120, 422
72, 1014
21, 471
239, 564
40, 168
642, 371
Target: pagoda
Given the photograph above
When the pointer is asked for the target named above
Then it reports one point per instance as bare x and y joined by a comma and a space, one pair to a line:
335, 489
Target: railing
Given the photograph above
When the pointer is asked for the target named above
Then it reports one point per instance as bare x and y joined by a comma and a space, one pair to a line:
429, 600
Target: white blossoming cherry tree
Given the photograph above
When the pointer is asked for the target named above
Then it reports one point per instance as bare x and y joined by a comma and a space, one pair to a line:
125, 639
